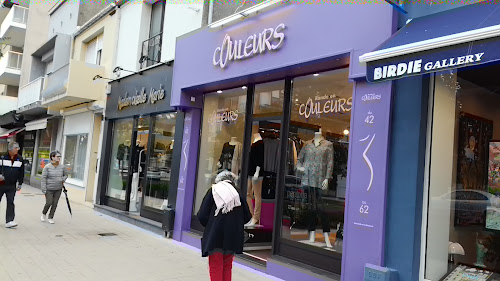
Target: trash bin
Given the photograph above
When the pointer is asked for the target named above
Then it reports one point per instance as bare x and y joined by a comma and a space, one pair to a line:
167, 223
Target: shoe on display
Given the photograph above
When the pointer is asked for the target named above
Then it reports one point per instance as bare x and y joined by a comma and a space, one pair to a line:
43, 217
11, 224
51, 221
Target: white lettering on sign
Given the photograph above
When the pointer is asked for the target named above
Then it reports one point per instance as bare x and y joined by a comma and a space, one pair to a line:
415, 66
325, 104
269, 39
141, 97
223, 115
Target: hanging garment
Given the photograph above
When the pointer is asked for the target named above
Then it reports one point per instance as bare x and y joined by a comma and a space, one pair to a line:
226, 156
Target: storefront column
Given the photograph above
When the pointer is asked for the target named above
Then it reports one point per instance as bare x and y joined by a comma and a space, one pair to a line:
364, 228
187, 172
406, 177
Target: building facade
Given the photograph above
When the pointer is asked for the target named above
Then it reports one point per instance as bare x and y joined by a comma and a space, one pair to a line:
285, 105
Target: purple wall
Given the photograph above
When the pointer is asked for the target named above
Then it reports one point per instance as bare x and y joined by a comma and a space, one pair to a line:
364, 226
313, 33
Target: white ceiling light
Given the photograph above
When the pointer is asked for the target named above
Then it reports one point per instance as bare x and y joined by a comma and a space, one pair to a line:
316, 74
346, 132
219, 92
244, 87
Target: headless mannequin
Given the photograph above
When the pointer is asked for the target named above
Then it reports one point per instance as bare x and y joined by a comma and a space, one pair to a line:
318, 137
233, 141
255, 191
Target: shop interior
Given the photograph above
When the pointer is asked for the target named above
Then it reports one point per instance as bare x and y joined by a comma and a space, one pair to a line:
313, 213
463, 221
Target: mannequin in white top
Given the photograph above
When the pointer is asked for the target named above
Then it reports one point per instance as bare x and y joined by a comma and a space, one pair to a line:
318, 137
257, 138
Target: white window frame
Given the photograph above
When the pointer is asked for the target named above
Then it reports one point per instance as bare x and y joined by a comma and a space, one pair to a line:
73, 181
425, 198
93, 53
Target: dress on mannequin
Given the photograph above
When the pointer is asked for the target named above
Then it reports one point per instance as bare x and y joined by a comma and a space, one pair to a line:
254, 190
315, 161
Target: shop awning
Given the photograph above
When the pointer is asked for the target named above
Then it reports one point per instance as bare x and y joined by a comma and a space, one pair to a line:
469, 35
38, 124
11, 132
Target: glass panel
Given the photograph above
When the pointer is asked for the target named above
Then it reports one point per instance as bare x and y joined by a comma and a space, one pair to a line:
44, 147
160, 161
75, 156
463, 220
120, 155
221, 138
139, 156
316, 166
28, 150
156, 18
268, 99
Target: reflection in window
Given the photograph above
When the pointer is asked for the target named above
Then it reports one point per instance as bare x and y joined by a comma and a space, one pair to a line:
463, 220
160, 161
75, 156
316, 166
221, 138
120, 157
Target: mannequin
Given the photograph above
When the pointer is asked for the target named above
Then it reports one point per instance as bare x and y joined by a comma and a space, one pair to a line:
254, 189
233, 141
315, 162
230, 158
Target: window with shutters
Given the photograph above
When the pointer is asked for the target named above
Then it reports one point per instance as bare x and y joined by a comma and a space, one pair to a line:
94, 50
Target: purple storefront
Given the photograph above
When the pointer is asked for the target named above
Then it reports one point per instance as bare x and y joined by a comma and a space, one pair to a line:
279, 98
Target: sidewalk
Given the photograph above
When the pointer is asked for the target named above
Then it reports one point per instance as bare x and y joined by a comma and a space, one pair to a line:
72, 248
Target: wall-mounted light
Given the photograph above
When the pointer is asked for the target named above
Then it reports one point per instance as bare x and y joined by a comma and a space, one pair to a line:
244, 13
97, 77
118, 69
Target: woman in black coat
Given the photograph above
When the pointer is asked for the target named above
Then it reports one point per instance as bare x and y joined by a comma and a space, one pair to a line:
223, 213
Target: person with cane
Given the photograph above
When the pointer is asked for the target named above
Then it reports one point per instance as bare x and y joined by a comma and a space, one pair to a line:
11, 180
53, 177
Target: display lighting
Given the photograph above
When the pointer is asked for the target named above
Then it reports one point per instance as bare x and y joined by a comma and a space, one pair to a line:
244, 13
316, 74
219, 92
244, 87
346, 132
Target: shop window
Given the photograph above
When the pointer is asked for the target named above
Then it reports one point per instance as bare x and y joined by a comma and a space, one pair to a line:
120, 157
222, 135
159, 166
316, 161
75, 156
44, 146
463, 210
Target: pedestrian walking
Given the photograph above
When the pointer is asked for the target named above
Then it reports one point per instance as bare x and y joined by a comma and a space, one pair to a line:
53, 177
223, 213
11, 180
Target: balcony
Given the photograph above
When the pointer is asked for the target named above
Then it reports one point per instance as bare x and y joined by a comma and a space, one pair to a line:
72, 84
13, 28
10, 68
7, 104
151, 51
30, 97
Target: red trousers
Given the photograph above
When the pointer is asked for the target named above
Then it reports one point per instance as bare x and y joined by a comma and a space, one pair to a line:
220, 267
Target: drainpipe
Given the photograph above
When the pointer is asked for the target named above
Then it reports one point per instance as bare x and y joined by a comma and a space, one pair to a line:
210, 11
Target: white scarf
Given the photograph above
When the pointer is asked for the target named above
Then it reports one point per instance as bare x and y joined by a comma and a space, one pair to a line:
225, 196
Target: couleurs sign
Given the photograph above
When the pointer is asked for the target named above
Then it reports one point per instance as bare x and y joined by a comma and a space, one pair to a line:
269, 39
141, 97
323, 105
223, 115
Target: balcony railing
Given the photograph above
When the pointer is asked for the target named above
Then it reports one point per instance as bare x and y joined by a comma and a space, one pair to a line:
151, 51
14, 60
30, 93
20, 14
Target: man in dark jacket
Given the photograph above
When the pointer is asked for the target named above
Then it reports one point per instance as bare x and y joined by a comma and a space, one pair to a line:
12, 169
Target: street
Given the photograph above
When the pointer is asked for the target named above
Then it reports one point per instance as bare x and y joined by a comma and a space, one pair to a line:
72, 249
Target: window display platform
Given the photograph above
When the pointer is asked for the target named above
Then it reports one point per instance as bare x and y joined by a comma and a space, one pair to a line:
466, 273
